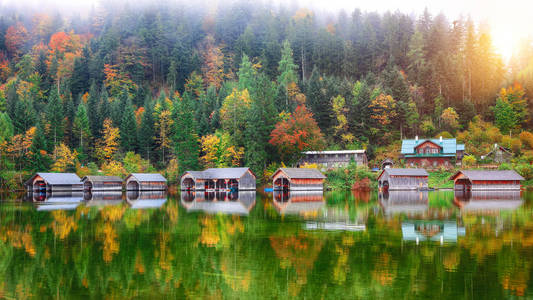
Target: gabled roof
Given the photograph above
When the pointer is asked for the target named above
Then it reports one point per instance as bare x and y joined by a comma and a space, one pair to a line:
491, 175
449, 146
301, 173
404, 172
58, 178
148, 177
102, 178
336, 152
217, 173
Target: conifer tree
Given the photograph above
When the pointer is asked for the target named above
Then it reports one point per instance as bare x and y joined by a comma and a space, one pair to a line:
185, 140
55, 118
81, 129
128, 128
146, 130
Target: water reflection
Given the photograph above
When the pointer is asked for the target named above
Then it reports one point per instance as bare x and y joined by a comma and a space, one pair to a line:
298, 202
234, 203
434, 230
407, 202
166, 253
487, 201
46, 201
146, 199
100, 198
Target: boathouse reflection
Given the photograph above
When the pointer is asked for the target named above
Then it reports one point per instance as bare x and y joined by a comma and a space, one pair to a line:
233, 203
146, 199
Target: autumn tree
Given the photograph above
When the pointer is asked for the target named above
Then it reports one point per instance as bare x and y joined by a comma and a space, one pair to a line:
64, 158
15, 38
107, 145
450, 118
298, 133
233, 114
164, 127
213, 63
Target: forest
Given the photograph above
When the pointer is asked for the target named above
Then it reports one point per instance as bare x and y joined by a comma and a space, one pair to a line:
174, 86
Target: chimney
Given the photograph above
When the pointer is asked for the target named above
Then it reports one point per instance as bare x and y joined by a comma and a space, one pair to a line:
440, 138
416, 138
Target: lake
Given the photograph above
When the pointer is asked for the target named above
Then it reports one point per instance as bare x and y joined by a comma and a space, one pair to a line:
248, 246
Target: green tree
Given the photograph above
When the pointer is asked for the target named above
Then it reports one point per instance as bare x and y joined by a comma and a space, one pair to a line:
81, 129
55, 118
185, 139
128, 128
147, 130
287, 71
504, 116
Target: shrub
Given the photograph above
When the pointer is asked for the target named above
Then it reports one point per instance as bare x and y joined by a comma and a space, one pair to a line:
516, 146
525, 170
527, 139
469, 160
505, 166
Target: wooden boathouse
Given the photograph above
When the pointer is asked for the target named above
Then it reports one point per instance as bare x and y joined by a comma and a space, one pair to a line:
146, 182
478, 180
102, 183
298, 179
403, 179
219, 179
54, 182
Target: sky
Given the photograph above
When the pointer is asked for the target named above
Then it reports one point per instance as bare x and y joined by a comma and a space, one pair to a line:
509, 21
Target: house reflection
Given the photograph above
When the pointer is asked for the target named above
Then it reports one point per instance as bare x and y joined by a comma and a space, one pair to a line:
233, 203
431, 230
407, 202
298, 202
56, 200
146, 199
487, 202
97, 198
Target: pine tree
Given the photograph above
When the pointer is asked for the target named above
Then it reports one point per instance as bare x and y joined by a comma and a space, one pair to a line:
146, 130
128, 128
92, 109
81, 129
287, 71
55, 118
185, 139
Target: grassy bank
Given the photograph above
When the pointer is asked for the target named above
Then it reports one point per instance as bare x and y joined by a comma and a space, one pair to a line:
440, 179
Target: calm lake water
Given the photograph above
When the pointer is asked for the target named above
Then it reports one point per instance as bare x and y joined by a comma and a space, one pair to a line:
434, 245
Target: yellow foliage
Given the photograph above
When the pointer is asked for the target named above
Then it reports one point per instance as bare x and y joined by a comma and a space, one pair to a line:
113, 168
107, 146
63, 224
63, 158
210, 144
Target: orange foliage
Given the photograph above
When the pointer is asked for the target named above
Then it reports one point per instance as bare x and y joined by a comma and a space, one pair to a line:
59, 42
214, 63
138, 115
298, 133
15, 38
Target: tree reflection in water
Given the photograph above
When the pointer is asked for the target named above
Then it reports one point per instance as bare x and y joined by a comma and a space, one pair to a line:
261, 246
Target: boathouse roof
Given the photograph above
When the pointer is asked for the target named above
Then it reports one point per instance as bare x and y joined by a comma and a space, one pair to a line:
94, 178
217, 173
336, 152
489, 175
405, 172
57, 178
300, 173
148, 177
